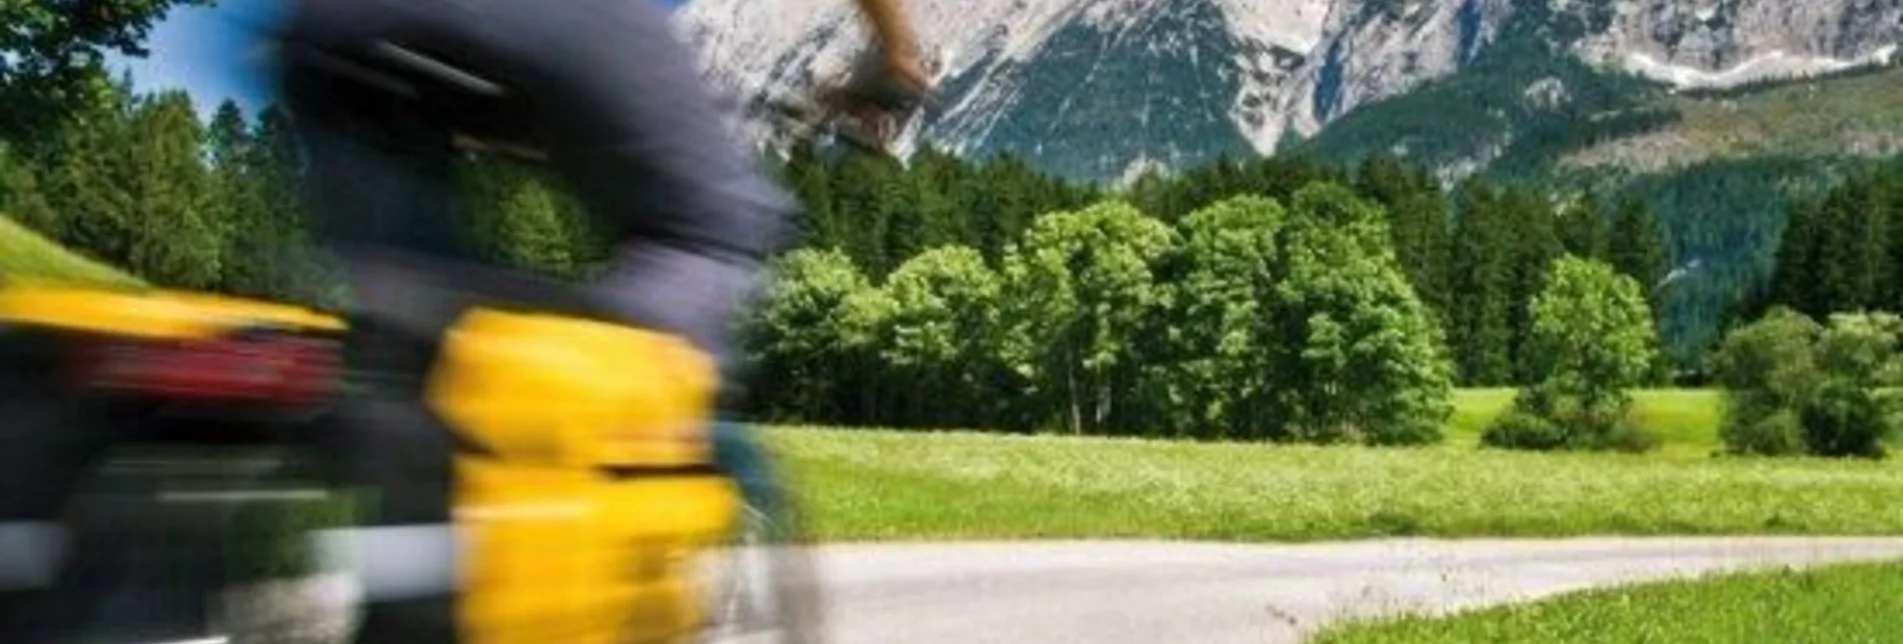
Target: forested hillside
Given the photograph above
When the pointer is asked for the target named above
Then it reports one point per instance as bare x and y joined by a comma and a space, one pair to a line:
1720, 169
1843, 251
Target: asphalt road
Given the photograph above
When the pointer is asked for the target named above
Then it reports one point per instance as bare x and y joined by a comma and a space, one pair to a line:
1153, 593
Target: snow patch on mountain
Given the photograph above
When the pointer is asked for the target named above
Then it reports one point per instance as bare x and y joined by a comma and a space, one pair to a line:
1721, 43
1767, 66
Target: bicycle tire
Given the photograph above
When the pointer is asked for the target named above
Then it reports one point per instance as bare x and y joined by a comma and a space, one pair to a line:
771, 529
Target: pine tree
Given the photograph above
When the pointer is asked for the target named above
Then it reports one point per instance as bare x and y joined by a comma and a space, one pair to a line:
936, 175
240, 211
1637, 246
295, 272
1418, 221
1480, 330
1839, 286
79, 180
228, 137
1535, 241
21, 197
861, 198
173, 236
533, 233
1587, 235
810, 181
1794, 284
1002, 204
1867, 257
1892, 186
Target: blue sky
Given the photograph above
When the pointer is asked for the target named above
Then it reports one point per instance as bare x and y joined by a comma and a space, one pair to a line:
213, 53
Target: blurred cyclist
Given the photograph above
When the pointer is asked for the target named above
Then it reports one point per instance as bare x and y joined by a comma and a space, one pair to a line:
601, 90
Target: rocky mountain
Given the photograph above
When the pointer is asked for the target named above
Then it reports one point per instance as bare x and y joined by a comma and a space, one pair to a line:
1100, 89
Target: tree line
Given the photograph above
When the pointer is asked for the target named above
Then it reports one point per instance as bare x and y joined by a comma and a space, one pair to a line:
1247, 319
1843, 252
137, 181
1475, 254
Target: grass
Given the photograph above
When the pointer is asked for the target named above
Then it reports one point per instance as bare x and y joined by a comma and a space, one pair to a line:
1858, 114
1686, 419
876, 485
25, 253
1853, 603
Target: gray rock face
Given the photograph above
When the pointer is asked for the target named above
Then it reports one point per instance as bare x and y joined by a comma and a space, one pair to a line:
1728, 42
1097, 88
1374, 49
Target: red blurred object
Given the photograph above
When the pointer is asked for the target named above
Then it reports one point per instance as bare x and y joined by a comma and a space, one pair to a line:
284, 369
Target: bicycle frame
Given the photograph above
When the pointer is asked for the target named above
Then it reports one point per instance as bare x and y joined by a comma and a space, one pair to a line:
267, 375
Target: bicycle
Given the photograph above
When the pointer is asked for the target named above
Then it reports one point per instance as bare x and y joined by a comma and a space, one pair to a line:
162, 418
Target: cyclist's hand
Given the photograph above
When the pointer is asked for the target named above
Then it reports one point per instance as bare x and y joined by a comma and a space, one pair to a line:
904, 70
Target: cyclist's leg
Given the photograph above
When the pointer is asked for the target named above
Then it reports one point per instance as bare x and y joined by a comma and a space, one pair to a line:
378, 177
738, 454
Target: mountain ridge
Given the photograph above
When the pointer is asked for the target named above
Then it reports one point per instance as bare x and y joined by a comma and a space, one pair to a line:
1096, 89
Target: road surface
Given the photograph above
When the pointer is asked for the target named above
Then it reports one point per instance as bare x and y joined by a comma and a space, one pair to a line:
1154, 593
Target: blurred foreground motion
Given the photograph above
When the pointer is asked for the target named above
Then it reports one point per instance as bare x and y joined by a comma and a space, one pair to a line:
468, 454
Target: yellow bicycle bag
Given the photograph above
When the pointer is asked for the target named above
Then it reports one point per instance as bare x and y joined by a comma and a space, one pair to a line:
558, 548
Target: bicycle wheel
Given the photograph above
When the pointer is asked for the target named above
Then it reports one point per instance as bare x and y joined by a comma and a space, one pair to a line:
162, 553
762, 587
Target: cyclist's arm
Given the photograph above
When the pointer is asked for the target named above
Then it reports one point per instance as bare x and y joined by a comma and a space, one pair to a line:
891, 24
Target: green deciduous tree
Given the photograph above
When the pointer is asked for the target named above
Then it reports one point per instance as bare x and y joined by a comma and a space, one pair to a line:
1224, 381
53, 53
1592, 330
1794, 386
942, 338
1856, 408
807, 337
1592, 339
1080, 286
1768, 371
1359, 357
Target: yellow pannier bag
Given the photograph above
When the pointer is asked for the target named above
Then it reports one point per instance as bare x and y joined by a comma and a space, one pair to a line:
554, 391
151, 314
581, 520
